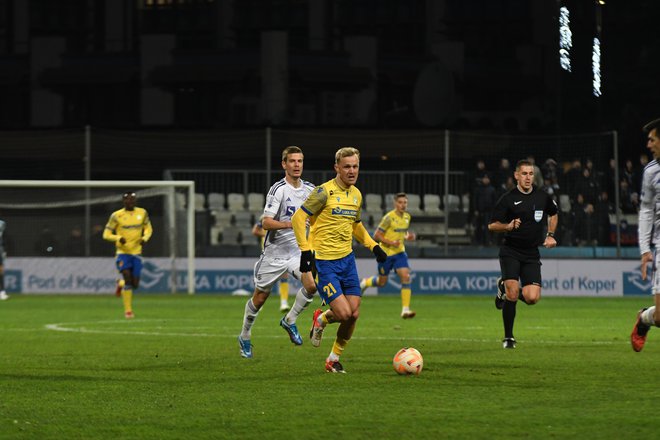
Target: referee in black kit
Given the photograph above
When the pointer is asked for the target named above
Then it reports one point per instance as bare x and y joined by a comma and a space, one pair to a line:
521, 214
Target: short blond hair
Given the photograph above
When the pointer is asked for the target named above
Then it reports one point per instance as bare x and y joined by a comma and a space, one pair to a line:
346, 152
292, 149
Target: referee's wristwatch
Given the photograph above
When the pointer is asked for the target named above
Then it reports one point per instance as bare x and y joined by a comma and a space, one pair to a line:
550, 234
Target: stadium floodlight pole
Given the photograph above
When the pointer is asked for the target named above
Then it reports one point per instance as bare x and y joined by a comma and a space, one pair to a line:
132, 184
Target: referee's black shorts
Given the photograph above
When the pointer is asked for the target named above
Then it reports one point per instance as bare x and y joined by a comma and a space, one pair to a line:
522, 264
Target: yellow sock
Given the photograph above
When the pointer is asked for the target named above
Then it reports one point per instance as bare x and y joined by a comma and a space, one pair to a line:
127, 297
406, 293
338, 346
324, 318
121, 283
370, 282
284, 290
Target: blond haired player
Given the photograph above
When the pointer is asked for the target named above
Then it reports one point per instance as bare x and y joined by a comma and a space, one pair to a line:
336, 209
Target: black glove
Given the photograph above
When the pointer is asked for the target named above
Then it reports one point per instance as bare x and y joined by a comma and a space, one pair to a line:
306, 259
380, 254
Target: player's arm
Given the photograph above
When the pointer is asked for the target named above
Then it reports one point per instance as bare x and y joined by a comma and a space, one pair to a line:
258, 230
147, 229
109, 231
360, 233
270, 224
504, 227
498, 219
314, 203
550, 240
645, 223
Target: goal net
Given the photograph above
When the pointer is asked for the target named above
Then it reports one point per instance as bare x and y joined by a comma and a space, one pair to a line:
64, 221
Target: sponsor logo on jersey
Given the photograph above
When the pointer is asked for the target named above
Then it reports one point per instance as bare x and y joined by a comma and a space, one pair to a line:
344, 212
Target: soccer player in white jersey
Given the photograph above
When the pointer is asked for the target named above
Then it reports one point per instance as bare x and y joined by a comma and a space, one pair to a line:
281, 253
649, 235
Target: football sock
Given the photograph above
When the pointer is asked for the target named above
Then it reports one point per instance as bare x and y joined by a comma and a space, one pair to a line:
508, 316
121, 283
249, 316
303, 299
405, 296
647, 317
323, 319
284, 291
127, 298
368, 282
337, 348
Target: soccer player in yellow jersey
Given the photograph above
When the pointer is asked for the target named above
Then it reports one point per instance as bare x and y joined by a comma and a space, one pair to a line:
336, 210
391, 233
129, 228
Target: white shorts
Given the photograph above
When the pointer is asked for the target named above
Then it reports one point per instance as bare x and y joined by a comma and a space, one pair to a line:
268, 270
655, 290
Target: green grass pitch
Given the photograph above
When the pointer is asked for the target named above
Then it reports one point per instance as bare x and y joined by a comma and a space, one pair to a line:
73, 367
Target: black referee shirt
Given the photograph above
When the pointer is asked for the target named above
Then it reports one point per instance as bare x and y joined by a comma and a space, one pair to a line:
532, 209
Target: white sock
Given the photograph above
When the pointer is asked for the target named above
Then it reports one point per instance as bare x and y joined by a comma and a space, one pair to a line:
405, 309
249, 316
303, 299
647, 317
334, 357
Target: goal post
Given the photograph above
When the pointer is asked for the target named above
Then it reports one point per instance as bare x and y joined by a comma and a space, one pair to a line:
26, 202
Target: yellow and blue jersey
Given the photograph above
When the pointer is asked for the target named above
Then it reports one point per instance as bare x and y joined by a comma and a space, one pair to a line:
334, 210
133, 225
394, 227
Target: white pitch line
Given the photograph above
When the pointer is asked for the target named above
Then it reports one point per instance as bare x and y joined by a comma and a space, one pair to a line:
67, 327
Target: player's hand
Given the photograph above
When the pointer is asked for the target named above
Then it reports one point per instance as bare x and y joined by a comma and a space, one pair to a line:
122, 240
550, 242
411, 236
514, 224
380, 254
647, 257
306, 259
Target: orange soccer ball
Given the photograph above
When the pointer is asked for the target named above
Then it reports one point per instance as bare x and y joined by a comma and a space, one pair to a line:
408, 361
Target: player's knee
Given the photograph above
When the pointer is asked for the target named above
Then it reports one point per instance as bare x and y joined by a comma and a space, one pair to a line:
532, 300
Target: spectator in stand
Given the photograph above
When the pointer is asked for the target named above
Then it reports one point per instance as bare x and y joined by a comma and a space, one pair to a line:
584, 225
573, 175
627, 198
97, 245
500, 176
637, 173
628, 173
75, 245
474, 181
551, 174
588, 186
46, 244
603, 209
484, 197
609, 181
